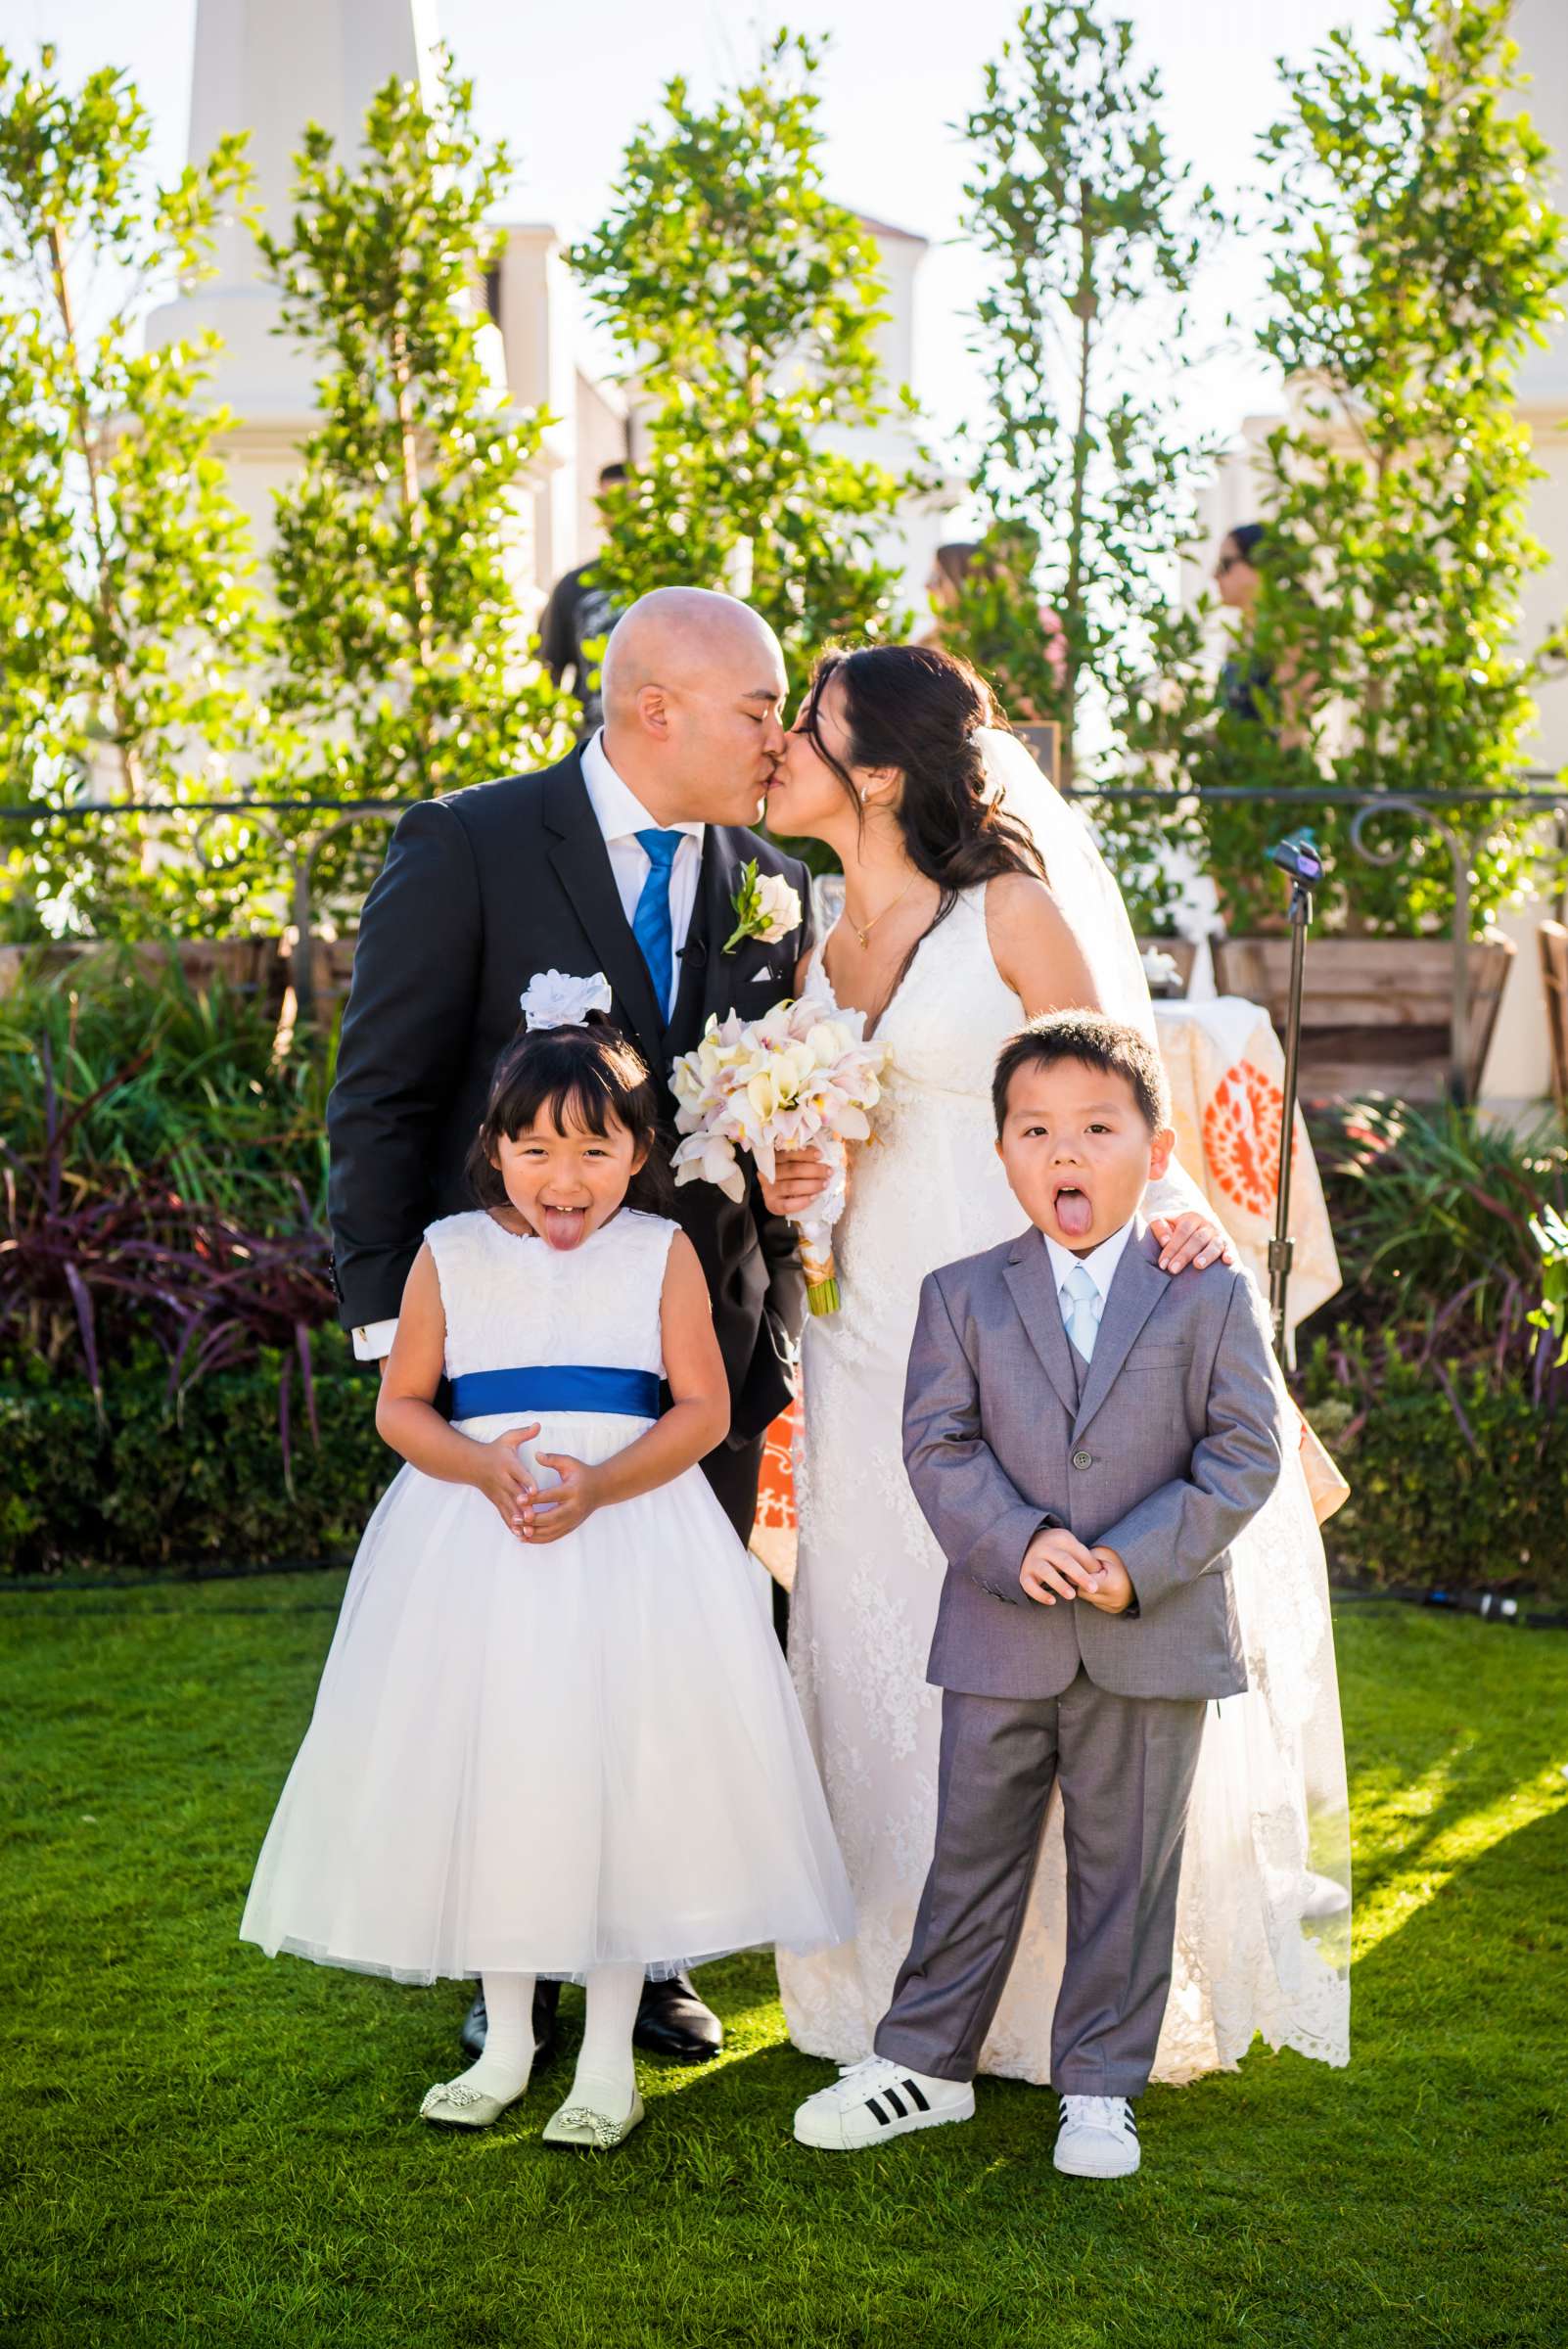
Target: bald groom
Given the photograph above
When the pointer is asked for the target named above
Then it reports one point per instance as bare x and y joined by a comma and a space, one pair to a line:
625, 859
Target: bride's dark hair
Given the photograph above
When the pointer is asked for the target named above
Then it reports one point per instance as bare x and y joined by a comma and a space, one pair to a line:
919, 708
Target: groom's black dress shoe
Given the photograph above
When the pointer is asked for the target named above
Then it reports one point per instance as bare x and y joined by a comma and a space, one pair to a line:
673, 2022
546, 2034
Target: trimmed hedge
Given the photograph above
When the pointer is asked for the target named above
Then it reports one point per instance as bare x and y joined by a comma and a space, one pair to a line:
147, 1491
152, 1495
1478, 1505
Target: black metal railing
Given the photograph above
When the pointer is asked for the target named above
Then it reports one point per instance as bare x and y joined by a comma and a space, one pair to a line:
1539, 795
297, 853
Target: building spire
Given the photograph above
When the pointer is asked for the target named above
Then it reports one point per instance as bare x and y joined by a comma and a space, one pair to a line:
267, 68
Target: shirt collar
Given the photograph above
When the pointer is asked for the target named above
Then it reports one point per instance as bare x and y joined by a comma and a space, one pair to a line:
1100, 1264
616, 805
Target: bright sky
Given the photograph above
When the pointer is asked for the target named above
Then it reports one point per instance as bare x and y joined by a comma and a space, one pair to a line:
565, 85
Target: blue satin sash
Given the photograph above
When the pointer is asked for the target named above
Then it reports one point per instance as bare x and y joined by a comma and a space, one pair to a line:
555, 1387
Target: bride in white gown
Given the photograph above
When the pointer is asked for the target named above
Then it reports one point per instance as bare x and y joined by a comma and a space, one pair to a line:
949, 940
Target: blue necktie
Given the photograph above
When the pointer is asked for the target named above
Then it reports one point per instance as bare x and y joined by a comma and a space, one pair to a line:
651, 925
1084, 1304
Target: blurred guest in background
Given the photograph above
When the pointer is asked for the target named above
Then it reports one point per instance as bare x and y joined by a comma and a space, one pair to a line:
580, 612
949, 567
1245, 681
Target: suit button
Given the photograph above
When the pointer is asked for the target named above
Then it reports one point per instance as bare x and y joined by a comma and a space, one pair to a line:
1082, 1459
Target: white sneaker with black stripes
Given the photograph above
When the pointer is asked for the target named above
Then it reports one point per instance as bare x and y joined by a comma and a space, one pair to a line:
1097, 2137
876, 2100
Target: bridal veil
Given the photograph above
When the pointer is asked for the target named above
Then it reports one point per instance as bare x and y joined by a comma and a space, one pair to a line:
1264, 1927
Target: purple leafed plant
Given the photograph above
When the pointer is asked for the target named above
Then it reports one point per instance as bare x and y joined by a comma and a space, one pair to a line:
106, 1267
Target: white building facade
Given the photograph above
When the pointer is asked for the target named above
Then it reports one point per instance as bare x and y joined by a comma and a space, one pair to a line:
267, 67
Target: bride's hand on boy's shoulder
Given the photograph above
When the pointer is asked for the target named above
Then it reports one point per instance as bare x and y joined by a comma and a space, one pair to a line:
1192, 1238
561, 1508
502, 1478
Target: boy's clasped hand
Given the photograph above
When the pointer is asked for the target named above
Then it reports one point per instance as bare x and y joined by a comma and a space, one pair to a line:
1057, 1565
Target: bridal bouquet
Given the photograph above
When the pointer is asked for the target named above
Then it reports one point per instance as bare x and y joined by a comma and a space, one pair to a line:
801, 1077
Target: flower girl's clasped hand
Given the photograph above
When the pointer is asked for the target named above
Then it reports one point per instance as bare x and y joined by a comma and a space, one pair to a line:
557, 1509
501, 1477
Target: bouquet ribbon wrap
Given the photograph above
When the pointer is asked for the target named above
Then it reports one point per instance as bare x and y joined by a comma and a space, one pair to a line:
816, 1229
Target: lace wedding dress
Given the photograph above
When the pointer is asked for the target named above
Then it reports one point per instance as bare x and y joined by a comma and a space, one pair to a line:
1262, 1930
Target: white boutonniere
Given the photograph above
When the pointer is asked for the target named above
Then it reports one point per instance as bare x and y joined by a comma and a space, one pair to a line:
765, 908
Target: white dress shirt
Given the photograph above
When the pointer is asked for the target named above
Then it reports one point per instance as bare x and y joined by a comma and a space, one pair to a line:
1100, 1264
621, 817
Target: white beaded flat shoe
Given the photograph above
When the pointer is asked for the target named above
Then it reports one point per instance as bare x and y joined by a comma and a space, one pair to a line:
456, 2105
580, 2125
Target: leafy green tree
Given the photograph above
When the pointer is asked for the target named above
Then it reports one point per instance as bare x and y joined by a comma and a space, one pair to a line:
128, 606
747, 302
1096, 235
405, 664
1415, 258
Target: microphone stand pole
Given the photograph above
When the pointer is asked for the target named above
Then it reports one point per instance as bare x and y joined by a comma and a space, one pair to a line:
1305, 868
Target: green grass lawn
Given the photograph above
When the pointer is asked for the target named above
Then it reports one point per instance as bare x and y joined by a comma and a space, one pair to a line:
211, 2148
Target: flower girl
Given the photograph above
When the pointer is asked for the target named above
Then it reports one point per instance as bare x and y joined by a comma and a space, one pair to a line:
554, 1734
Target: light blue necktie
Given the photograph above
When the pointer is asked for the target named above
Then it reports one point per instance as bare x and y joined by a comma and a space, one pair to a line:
1083, 1305
651, 925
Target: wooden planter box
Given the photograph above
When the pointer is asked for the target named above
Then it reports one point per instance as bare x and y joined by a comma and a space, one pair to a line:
1376, 1012
332, 962
1554, 943
246, 965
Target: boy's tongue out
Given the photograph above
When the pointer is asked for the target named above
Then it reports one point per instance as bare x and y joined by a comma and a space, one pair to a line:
563, 1226
1075, 1213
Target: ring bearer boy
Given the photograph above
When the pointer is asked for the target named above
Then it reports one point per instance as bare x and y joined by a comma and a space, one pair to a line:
1085, 1437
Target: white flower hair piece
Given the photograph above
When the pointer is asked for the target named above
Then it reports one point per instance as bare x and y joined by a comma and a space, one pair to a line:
553, 999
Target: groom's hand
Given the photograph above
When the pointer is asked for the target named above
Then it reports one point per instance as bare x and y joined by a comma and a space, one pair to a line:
799, 1178
1190, 1239
1056, 1565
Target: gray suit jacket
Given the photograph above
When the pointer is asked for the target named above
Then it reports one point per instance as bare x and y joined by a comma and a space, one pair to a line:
1173, 1444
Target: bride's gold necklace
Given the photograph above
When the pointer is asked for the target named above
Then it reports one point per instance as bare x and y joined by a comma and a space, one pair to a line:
865, 936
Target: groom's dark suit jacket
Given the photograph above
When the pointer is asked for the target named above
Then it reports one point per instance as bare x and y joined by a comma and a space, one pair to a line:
478, 892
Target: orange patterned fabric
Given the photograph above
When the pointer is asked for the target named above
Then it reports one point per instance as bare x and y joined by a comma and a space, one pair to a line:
774, 1531
1226, 1072
1241, 1138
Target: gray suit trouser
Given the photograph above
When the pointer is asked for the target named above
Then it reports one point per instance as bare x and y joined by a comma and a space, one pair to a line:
1126, 1766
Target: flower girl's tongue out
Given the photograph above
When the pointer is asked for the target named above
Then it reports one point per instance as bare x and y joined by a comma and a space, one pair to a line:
565, 1226
572, 1119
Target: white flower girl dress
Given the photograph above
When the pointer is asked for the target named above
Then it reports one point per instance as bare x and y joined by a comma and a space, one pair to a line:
547, 1760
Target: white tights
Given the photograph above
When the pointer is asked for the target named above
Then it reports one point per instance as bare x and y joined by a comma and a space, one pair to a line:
605, 2079
502, 2071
